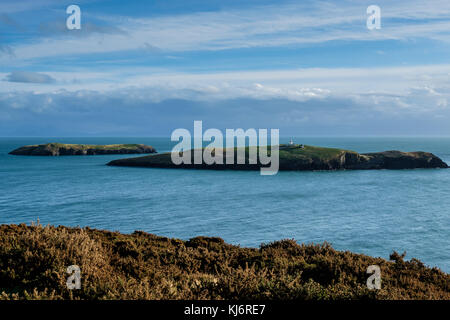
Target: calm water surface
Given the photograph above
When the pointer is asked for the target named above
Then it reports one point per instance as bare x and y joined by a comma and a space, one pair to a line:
371, 212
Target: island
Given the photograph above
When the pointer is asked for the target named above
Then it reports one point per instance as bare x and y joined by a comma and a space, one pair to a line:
303, 157
63, 149
34, 261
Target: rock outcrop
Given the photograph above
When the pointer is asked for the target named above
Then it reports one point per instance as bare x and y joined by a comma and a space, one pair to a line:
60, 149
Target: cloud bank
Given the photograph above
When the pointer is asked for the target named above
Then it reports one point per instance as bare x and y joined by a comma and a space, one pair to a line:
382, 101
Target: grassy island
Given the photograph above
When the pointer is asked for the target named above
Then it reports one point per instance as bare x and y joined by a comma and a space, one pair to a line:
62, 149
33, 262
301, 157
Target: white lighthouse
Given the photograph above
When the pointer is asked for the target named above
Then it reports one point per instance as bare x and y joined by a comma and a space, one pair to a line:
291, 142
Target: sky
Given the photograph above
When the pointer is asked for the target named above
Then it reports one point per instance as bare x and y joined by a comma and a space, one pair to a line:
146, 68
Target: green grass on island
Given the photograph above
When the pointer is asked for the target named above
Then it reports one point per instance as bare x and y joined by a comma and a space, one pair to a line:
93, 146
34, 259
310, 152
55, 145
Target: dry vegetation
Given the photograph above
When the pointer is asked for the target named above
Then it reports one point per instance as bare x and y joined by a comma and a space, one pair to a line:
33, 262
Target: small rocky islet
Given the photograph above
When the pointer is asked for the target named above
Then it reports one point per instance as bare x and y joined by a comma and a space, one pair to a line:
63, 149
303, 158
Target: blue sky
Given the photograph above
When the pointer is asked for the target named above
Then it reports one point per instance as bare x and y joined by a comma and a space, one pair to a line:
145, 68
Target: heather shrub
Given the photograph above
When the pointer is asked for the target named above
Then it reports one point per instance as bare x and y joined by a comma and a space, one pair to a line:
33, 262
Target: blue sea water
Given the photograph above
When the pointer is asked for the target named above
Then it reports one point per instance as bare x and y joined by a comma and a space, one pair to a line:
370, 212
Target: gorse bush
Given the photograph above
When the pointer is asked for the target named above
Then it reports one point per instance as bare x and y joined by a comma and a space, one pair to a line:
33, 262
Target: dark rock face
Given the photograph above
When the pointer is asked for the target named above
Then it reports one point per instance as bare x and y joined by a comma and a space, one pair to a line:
343, 160
59, 149
398, 160
378, 160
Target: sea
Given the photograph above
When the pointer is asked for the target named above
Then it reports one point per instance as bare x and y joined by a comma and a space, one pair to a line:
373, 212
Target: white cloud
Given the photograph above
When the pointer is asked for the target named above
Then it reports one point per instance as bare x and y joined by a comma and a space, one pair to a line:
303, 23
301, 82
414, 90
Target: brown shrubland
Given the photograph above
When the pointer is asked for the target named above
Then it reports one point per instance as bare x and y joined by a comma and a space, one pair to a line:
33, 262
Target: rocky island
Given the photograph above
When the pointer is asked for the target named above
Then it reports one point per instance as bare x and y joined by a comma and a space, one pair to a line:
62, 149
300, 157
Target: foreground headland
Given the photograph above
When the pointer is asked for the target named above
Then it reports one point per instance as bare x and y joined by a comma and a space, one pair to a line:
299, 157
63, 149
34, 260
